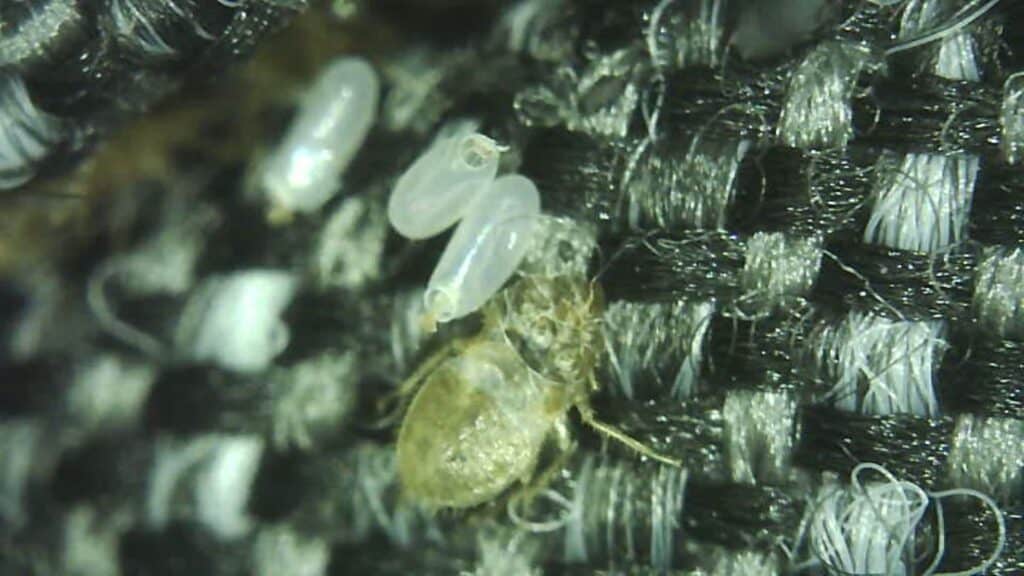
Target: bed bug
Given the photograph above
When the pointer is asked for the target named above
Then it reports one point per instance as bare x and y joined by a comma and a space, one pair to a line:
489, 405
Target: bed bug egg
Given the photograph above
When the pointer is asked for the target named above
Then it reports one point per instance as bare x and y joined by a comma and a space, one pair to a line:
304, 171
476, 427
485, 250
436, 191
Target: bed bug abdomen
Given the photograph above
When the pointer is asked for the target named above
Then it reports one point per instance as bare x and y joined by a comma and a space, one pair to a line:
475, 428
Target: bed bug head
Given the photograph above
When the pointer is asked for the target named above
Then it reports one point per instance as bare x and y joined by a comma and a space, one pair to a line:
554, 322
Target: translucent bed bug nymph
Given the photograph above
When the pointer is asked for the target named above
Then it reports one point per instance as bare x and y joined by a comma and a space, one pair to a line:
487, 407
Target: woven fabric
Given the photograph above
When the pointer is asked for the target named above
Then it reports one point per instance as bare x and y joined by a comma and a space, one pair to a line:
798, 225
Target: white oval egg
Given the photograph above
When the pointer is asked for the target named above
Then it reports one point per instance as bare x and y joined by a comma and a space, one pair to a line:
485, 250
305, 170
438, 188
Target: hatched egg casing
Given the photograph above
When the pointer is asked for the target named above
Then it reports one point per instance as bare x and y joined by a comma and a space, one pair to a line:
441, 185
485, 250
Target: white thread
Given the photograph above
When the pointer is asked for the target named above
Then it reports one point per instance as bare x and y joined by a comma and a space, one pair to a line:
667, 498
870, 528
955, 59
867, 529
372, 502
652, 36
172, 458
817, 111
575, 541
196, 25
988, 454
611, 507
108, 392
778, 269
313, 395
135, 27
529, 27
27, 134
414, 100
165, 262
99, 306
20, 441
760, 429
519, 21
223, 485
91, 537
406, 330
745, 562
44, 22
234, 320
282, 550
651, 118
502, 554
999, 291
351, 244
369, 477
541, 526
612, 113
699, 43
945, 30
658, 342
922, 205
881, 366
603, 518
1011, 118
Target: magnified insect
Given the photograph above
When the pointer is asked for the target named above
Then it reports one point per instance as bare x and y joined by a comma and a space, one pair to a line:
486, 407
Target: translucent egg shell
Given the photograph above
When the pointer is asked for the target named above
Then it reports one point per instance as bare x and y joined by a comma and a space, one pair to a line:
436, 191
485, 250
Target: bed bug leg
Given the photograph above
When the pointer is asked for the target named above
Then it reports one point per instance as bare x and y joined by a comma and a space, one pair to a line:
562, 437
393, 404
